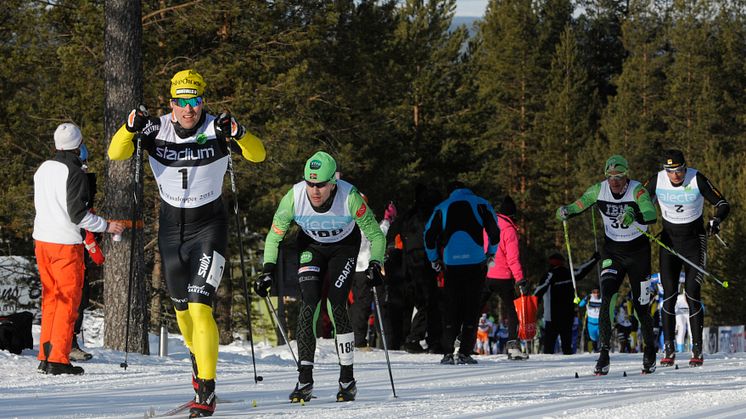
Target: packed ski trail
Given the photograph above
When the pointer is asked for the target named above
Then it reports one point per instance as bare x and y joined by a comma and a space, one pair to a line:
542, 387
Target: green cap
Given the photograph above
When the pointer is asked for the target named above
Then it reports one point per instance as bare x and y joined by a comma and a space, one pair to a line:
616, 162
321, 167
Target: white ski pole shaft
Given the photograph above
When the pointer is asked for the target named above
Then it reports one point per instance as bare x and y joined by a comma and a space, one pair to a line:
383, 338
279, 326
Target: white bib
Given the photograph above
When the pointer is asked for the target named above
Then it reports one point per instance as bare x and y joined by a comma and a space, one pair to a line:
679, 204
610, 209
325, 227
189, 174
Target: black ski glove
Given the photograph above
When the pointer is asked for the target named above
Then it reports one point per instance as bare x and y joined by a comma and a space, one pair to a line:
264, 282
137, 119
227, 127
374, 274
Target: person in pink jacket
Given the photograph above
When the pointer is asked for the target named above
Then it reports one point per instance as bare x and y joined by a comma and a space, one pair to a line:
505, 272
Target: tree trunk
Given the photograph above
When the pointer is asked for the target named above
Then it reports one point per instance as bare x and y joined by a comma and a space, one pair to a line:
123, 91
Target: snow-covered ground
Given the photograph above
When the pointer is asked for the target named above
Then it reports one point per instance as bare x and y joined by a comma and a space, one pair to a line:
543, 386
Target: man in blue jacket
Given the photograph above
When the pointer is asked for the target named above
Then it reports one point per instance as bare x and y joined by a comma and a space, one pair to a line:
454, 243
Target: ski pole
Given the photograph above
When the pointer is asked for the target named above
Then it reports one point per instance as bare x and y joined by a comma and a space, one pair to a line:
720, 239
135, 203
279, 326
246, 295
595, 243
383, 337
569, 258
673, 252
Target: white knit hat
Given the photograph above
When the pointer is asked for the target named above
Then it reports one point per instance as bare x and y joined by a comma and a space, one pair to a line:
67, 136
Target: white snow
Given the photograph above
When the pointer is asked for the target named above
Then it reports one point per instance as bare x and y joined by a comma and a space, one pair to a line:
542, 387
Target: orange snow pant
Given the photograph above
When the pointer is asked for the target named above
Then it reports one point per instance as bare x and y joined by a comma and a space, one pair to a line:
61, 269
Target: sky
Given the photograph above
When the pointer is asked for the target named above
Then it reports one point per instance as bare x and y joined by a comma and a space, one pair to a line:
543, 386
470, 7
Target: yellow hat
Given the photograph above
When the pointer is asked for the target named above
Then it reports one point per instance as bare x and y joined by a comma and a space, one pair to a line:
186, 84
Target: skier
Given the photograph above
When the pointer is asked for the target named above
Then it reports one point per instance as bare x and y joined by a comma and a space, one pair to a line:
558, 293
454, 243
592, 313
626, 210
188, 153
681, 192
331, 213
61, 197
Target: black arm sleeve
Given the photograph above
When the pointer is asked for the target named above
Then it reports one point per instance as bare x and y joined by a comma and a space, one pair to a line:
543, 286
78, 196
585, 268
433, 233
490, 224
713, 196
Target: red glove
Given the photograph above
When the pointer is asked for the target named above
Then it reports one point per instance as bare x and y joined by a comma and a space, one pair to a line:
97, 256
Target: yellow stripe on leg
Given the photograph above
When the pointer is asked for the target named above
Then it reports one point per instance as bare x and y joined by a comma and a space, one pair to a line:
205, 340
184, 320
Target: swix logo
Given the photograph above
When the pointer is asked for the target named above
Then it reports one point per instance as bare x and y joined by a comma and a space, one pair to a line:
204, 265
345, 273
186, 154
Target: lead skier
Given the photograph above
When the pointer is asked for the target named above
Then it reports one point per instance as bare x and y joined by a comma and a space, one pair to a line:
626, 209
188, 153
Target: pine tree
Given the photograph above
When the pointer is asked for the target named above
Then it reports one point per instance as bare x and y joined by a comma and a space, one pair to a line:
510, 85
633, 122
691, 113
565, 131
601, 29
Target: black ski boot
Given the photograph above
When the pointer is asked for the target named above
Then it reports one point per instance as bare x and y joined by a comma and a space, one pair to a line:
465, 359
43, 365
304, 386
648, 359
204, 402
602, 364
77, 354
195, 385
697, 358
56, 368
669, 354
303, 391
447, 359
347, 391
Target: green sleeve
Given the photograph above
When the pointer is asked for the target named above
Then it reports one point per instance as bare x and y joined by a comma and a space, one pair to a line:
586, 201
280, 224
366, 220
646, 206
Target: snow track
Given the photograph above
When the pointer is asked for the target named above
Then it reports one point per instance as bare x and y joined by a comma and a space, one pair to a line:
542, 387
